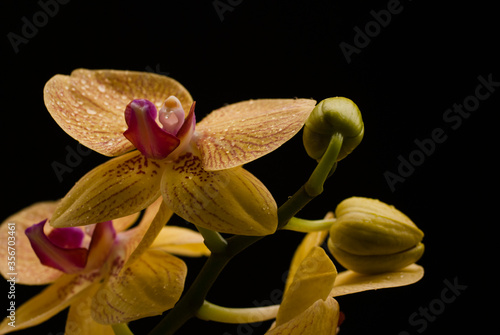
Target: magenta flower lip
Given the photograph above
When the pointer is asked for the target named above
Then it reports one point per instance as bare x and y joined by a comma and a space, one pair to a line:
51, 253
62, 248
145, 133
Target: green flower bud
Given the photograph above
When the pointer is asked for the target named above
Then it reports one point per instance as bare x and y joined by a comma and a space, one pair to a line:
330, 116
370, 237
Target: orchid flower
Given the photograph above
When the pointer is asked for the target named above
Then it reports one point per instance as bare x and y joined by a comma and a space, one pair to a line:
107, 273
309, 306
196, 168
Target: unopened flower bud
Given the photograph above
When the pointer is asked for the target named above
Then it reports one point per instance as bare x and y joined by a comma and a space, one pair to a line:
330, 116
370, 237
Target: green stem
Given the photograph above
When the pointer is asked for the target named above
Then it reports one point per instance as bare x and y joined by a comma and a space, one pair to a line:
307, 226
187, 306
121, 329
314, 186
213, 240
212, 312
193, 299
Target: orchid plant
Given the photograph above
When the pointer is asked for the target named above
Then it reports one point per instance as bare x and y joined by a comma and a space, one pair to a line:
107, 251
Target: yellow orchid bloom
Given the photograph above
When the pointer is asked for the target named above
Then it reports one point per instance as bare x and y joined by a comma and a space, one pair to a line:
106, 274
196, 168
309, 306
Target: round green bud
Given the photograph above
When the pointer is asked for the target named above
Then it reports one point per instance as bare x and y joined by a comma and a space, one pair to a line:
330, 116
370, 237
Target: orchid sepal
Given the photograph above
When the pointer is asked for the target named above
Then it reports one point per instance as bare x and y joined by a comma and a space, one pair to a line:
229, 201
119, 187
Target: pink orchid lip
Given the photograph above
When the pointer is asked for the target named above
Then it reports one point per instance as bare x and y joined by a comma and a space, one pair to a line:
51, 253
145, 132
67, 238
61, 249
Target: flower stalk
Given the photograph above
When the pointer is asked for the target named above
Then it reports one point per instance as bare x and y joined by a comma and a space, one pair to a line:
213, 240
212, 312
121, 329
308, 226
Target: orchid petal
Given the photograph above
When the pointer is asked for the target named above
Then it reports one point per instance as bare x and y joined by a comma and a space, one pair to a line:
242, 132
320, 318
143, 131
50, 301
311, 240
27, 266
103, 239
145, 234
49, 254
149, 286
127, 241
349, 282
230, 201
188, 125
121, 186
313, 281
121, 224
80, 322
181, 241
185, 133
89, 104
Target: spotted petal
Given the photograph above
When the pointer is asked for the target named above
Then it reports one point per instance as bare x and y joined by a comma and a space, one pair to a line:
230, 201
49, 302
89, 104
122, 186
242, 132
27, 266
149, 286
80, 322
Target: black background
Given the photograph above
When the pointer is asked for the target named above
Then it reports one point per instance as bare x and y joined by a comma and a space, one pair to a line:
427, 58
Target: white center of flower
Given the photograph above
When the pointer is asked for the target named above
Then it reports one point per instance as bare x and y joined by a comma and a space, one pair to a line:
171, 115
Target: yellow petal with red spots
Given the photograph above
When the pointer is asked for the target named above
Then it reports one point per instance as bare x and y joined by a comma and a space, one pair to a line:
120, 187
242, 132
80, 322
229, 201
27, 265
49, 302
149, 286
89, 105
